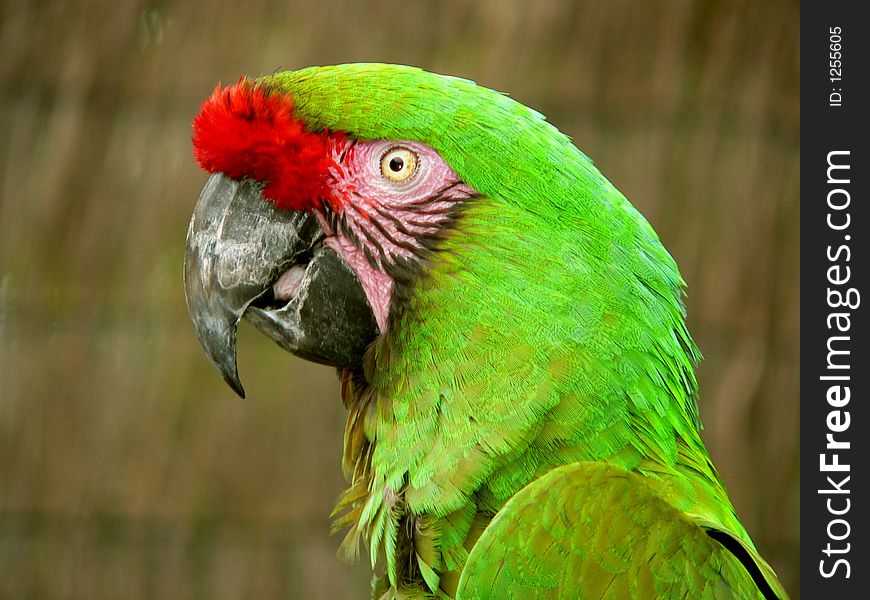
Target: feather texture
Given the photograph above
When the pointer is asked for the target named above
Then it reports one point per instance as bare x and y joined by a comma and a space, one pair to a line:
535, 387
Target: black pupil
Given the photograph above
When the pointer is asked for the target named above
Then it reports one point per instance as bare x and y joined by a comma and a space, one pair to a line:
396, 164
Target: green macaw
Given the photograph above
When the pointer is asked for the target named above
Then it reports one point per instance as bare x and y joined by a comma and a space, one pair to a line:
509, 333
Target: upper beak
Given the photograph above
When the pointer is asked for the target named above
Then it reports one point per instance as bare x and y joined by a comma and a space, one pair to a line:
238, 245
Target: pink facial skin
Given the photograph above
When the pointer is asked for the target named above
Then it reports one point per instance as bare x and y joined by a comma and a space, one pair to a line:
372, 222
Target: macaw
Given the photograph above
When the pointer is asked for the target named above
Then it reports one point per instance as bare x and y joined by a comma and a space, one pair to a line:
508, 330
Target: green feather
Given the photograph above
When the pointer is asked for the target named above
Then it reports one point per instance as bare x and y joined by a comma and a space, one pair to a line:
547, 329
595, 531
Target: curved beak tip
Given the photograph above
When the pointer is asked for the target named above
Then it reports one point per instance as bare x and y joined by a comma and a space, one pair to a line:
224, 361
234, 382
216, 332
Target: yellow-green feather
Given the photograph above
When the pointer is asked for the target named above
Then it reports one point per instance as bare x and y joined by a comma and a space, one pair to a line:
592, 531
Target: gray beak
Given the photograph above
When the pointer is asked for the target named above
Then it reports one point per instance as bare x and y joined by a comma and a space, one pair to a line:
238, 245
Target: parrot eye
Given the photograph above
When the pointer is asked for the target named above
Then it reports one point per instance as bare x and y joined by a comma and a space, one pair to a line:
398, 164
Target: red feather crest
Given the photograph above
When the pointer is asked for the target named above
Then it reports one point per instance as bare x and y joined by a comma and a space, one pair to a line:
246, 130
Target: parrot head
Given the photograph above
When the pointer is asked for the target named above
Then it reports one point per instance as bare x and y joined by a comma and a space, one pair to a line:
308, 234
337, 193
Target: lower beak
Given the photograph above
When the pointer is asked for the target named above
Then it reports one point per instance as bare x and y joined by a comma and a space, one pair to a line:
238, 246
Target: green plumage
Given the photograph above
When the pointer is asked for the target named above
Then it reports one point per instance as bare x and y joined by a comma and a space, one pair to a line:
547, 330
607, 535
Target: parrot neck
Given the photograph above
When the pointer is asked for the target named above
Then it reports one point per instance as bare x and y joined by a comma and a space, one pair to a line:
514, 355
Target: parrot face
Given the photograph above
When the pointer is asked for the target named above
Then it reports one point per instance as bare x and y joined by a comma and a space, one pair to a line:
387, 203
334, 222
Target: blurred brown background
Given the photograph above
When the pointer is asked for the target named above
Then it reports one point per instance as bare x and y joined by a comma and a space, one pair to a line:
129, 470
